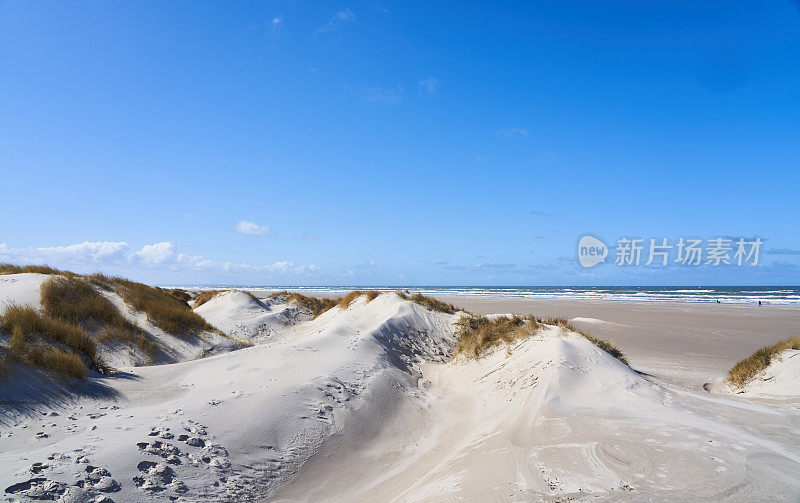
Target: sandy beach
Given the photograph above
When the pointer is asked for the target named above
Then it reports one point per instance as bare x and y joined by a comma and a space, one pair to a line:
373, 397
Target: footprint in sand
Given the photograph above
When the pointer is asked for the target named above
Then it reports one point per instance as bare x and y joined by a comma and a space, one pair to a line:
155, 476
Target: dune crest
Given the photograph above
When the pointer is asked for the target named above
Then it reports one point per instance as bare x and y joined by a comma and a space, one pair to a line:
366, 402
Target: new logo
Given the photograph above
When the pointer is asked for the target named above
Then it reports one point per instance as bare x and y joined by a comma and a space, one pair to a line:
591, 251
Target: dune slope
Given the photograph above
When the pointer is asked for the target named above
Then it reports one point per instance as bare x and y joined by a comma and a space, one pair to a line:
257, 320
557, 419
365, 404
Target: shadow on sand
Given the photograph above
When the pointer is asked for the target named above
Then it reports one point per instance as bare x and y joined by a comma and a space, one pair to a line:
27, 392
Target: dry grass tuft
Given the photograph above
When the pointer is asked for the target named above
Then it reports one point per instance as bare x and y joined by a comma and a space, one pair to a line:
251, 295
56, 360
5, 367
207, 295
428, 302
162, 309
557, 321
178, 293
24, 321
747, 369
313, 304
204, 297
604, 344
41, 269
479, 333
73, 299
348, 299
18, 339
72, 304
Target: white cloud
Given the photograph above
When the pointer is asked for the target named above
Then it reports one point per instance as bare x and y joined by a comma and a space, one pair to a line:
511, 131
428, 86
156, 253
91, 256
98, 251
282, 266
245, 227
276, 22
338, 19
309, 269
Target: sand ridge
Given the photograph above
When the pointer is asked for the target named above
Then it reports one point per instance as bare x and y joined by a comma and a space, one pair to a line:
366, 404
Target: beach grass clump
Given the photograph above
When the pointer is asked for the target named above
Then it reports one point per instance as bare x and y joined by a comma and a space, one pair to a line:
205, 296
5, 367
479, 333
56, 360
18, 339
178, 293
315, 305
251, 295
75, 300
604, 344
428, 302
746, 370
162, 309
476, 334
24, 321
41, 269
26, 325
348, 299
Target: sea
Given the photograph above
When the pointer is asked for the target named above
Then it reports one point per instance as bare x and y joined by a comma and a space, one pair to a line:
786, 295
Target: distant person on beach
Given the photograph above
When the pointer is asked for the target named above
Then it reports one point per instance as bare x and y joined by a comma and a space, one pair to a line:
759, 303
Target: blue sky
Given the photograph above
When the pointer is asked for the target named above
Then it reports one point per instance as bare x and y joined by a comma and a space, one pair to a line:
397, 142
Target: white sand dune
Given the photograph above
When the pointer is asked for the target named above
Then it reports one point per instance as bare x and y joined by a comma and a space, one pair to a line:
25, 290
258, 320
557, 418
22, 289
171, 348
780, 380
364, 404
272, 406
